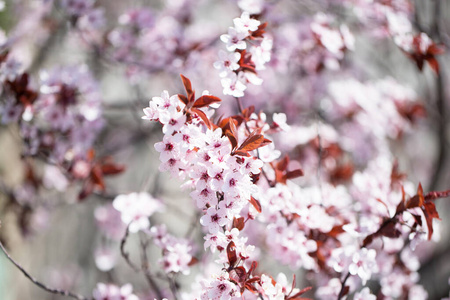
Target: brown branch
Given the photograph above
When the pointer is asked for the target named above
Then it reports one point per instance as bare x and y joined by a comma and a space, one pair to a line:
40, 284
124, 254
145, 268
341, 292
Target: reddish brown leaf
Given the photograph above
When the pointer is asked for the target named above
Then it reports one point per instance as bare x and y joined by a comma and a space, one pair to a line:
294, 174
435, 195
203, 116
97, 177
418, 219
90, 154
183, 99
193, 261
283, 164
252, 142
402, 205
306, 289
251, 288
417, 200
336, 230
254, 279
430, 213
253, 267
390, 231
229, 129
435, 49
206, 100
294, 283
231, 254
434, 64
111, 169
88, 188
241, 273
188, 87
241, 153
260, 31
256, 204
239, 223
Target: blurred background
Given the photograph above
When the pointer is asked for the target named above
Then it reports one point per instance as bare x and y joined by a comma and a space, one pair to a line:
122, 53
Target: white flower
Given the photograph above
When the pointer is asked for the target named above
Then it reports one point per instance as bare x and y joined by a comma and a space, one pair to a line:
135, 209
228, 62
233, 86
245, 24
254, 7
234, 39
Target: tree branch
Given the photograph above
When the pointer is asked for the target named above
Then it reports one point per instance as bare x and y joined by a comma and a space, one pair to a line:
40, 284
145, 268
124, 254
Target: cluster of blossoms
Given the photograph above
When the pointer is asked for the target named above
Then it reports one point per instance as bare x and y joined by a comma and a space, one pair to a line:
84, 14
319, 228
177, 252
62, 119
149, 42
315, 44
136, 209
113, 292
222, 173
248, 52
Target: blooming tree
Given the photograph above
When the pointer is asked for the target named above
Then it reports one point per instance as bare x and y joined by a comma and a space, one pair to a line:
293, 164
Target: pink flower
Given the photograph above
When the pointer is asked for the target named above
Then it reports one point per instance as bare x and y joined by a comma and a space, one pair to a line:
135, 209
364, 264
234, 39
214, 219
364, 294
112, 292
245, 23
228, 62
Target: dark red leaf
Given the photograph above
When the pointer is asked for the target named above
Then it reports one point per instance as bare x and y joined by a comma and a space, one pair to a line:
231, 253
256, 204
294, 174
254, 279
241, 153
306, 289
418, 219
253, 267
188, 87
435, 195
239, 223
241, 274
430, 213
111, 169
417, 200
402, 205
88, 188
97, 177
203, 116
251, 288
294, 283
390, 231
183, 99
434, 64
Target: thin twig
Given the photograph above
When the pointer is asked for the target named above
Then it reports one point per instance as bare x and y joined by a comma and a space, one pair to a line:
40, 284
145, 268
341, 292
124, 254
